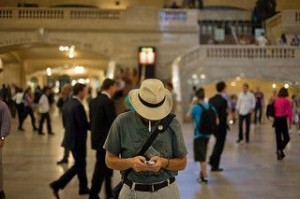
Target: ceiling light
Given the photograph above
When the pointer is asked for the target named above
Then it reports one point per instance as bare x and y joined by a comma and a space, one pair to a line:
238, 78
49, 71
79, 70
81, 81
73, 82
71, 52
202, 76
274, 86
62, 48
286, 86
233, 84
194, 76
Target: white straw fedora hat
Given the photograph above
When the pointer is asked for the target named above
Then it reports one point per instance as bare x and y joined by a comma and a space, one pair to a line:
152, 100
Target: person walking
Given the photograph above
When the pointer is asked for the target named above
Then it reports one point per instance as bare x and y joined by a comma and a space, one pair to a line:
12, 91
245, 107
19, 100
151, 175
201, 139
44, 109
220, 104
5, 125
28, 100
283, 115
64, 97
76, 127
102, 115
258, 105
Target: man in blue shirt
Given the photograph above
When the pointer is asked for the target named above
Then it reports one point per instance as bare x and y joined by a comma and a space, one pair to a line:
200, 139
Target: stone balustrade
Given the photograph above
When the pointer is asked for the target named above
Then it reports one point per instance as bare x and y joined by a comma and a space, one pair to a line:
58, 13
91, 18
251, 52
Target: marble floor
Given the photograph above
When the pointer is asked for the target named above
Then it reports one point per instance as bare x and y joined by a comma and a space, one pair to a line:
251, 170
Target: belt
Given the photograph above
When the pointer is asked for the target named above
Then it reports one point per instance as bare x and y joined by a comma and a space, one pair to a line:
149, 187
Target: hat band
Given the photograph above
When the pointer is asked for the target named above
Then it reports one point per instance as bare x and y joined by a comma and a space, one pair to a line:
151, 105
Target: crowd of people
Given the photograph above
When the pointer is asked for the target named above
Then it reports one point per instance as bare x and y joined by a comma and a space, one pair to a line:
24, 103
248, 105
117, 139
145, 174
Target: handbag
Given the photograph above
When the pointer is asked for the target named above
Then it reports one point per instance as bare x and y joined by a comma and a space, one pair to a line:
162, 126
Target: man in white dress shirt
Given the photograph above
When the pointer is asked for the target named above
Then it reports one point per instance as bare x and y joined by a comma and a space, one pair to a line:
44, 108
245, 107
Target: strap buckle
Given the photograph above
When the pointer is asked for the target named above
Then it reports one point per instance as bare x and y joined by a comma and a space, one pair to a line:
152, 188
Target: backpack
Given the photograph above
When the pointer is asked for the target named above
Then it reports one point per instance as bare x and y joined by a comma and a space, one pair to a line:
270, 110
208, 120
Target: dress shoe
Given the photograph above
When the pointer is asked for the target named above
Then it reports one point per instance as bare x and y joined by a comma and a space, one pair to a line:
2, 195
55, 190
202, 179
282, 153
35, 129
85, 191
51, 133
217, 169
63, 161
239, 140
20, 129
41, 133
279, 155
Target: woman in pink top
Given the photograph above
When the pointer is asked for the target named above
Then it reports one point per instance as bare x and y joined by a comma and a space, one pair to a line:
283, 115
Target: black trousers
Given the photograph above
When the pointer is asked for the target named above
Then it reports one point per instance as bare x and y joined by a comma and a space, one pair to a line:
247, 118
20, 111
29, 111
220, 136
79, 169
101, 173
258, 113
45, 116
66, 153
282, 132
12, 107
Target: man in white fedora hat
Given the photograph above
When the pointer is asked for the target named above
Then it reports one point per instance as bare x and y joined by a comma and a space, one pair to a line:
151, 175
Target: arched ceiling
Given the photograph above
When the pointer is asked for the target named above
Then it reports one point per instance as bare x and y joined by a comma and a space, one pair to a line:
40, 58
111, 4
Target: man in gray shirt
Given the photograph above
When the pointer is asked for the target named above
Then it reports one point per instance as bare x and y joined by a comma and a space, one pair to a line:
153, 174
5, 123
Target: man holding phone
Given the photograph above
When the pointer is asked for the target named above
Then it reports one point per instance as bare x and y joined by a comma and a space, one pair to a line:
153, 174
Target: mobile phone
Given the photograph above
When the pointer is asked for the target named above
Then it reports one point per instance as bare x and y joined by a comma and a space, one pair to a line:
149, 162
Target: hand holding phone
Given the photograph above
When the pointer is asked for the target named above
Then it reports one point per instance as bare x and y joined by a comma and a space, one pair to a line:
149, 162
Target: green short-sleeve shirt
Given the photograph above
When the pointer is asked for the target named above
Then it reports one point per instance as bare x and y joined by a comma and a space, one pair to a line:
128, 134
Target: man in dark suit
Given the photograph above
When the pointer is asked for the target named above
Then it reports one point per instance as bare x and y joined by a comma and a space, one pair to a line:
221, 105
76, 127
102, 115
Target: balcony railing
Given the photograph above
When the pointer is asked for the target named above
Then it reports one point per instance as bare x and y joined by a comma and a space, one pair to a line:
58, 13
91, 18
81, 13
250, 53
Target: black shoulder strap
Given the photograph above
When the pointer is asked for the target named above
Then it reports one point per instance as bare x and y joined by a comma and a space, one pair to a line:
201, 105
162, 127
